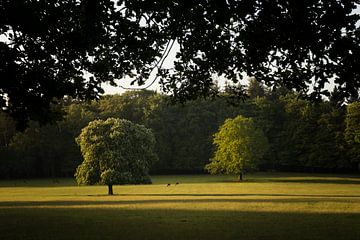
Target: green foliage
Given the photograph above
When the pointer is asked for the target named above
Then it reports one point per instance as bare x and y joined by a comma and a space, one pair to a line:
240, 146
7, 129
302, 136
111, 176
115, 151
135, 106
183, 133
255, 88
311, 136
352, 131
46, 47
40, 151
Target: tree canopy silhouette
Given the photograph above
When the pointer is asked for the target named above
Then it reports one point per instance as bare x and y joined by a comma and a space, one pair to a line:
48, 46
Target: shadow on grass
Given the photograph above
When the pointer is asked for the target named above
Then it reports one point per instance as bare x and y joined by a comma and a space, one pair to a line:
186, 179
231, 195
326, 181
105, 223
311, 200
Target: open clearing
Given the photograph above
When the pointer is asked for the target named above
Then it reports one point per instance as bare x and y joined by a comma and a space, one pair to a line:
265, 206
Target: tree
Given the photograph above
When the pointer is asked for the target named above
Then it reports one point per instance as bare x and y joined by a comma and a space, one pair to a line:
282, 43
352, 131
46, 46
240, 146
7, 129
134, 106
255, 88
115, 151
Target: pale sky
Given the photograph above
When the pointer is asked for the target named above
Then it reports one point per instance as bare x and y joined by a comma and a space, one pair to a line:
168, 63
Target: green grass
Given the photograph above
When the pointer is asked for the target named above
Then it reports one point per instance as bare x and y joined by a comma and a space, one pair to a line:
265, 206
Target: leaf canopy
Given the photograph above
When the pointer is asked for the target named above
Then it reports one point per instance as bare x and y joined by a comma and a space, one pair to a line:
240, 146
47, 46
115, 151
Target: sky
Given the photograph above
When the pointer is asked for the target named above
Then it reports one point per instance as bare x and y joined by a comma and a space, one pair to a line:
168, 63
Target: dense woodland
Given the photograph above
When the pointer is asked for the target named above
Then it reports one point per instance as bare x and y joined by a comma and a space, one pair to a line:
303, 135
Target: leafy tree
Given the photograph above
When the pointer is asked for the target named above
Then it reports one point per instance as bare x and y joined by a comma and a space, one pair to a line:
302, 136
352, 131
42, 152
7, 129
281, 43
240, 146
47, 46
255, 88
310, 137
269, 116
184, 132
329, 148
134, 106
49, 150
115, 151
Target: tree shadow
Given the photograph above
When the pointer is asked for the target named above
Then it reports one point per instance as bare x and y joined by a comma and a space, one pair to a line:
242, 195
284, 180
107, 223
291, 199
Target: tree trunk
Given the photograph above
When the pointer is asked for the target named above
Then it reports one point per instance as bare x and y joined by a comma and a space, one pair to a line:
110, 187
240, 176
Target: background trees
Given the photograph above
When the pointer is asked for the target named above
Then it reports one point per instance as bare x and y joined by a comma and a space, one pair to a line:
115, 152
302, 135
352, 131
240, 146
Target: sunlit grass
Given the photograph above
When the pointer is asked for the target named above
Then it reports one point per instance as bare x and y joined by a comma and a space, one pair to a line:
265, 206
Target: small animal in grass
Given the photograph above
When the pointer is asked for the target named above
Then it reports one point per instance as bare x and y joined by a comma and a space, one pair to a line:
168, 185
177, 183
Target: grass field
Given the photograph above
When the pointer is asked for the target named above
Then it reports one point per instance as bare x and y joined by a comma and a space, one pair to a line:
265, 206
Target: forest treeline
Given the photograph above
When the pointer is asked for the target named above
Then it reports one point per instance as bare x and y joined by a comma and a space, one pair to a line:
309, 136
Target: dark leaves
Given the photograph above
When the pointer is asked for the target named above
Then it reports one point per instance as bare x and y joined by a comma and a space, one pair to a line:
50, 45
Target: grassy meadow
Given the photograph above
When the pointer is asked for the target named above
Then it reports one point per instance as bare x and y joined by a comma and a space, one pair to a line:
264, 206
